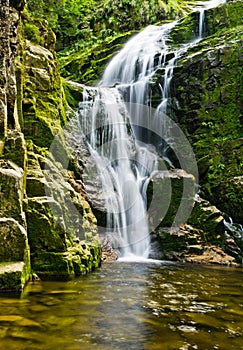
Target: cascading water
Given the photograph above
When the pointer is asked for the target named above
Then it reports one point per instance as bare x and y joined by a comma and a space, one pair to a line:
201, 8
109, 120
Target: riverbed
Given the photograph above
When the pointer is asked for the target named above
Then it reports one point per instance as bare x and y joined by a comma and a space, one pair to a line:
129, 305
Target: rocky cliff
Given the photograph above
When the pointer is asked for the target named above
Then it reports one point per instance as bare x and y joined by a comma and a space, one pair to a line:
33, 110
208, 107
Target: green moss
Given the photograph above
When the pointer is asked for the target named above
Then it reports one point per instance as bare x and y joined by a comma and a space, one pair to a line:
44, 232
218, 21
31, 32
77, 260
87, 64
211, 109
52, 265
15, 149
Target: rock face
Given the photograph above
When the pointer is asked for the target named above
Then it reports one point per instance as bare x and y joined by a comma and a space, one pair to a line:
206, 100
8, 38
32, 111
210, 105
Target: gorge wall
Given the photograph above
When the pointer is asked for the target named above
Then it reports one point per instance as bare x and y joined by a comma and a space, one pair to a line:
33, 111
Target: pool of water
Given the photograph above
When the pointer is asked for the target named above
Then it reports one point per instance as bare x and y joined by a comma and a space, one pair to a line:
129, 305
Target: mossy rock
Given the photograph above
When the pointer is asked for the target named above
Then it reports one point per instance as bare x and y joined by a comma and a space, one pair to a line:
12, 188
44, 231
209, 109
170, 198
43, 104
221, 18
52, 265
14, 241
15, 149
77, 260
88, 66
210, 220
13, 276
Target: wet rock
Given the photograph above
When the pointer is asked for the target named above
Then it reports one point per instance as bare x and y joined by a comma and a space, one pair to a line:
44, 232
44, 111
109, 253
208, 218
211, 255
208, 106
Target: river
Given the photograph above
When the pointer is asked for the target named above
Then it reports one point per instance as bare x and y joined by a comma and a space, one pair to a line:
129, 305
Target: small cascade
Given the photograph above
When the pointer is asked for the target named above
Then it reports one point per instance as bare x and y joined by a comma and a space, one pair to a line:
202, 7
110, 116
201, 23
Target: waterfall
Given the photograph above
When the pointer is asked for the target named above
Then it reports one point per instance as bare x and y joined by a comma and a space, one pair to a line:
110, 116
202, 7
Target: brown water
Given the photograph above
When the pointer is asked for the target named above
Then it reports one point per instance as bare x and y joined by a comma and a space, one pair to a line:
129, 306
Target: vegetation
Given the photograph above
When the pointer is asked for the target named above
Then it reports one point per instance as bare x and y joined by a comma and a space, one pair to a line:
86, 28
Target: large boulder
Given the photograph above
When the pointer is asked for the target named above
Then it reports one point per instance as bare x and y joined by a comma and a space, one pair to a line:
170, 198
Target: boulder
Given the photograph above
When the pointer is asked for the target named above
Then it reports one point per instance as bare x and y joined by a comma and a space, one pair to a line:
44, 230
170, 196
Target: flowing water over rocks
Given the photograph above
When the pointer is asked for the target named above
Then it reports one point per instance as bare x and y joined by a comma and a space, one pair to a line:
121, 133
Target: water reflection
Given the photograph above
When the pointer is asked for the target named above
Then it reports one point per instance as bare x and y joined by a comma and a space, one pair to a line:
129, 306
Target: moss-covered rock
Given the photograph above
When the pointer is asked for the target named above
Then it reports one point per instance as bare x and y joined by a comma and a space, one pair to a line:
43, 104
209, 107
208, 218
15, 148
12, 190
13, 276
44, 231
87, 66
14, 255
79, 259
14, 241
216, 20
170, 198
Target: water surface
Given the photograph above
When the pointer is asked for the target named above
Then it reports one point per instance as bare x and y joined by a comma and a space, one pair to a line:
129, 305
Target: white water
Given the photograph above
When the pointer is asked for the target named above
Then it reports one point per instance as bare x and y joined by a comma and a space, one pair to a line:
201, 7
124, 165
